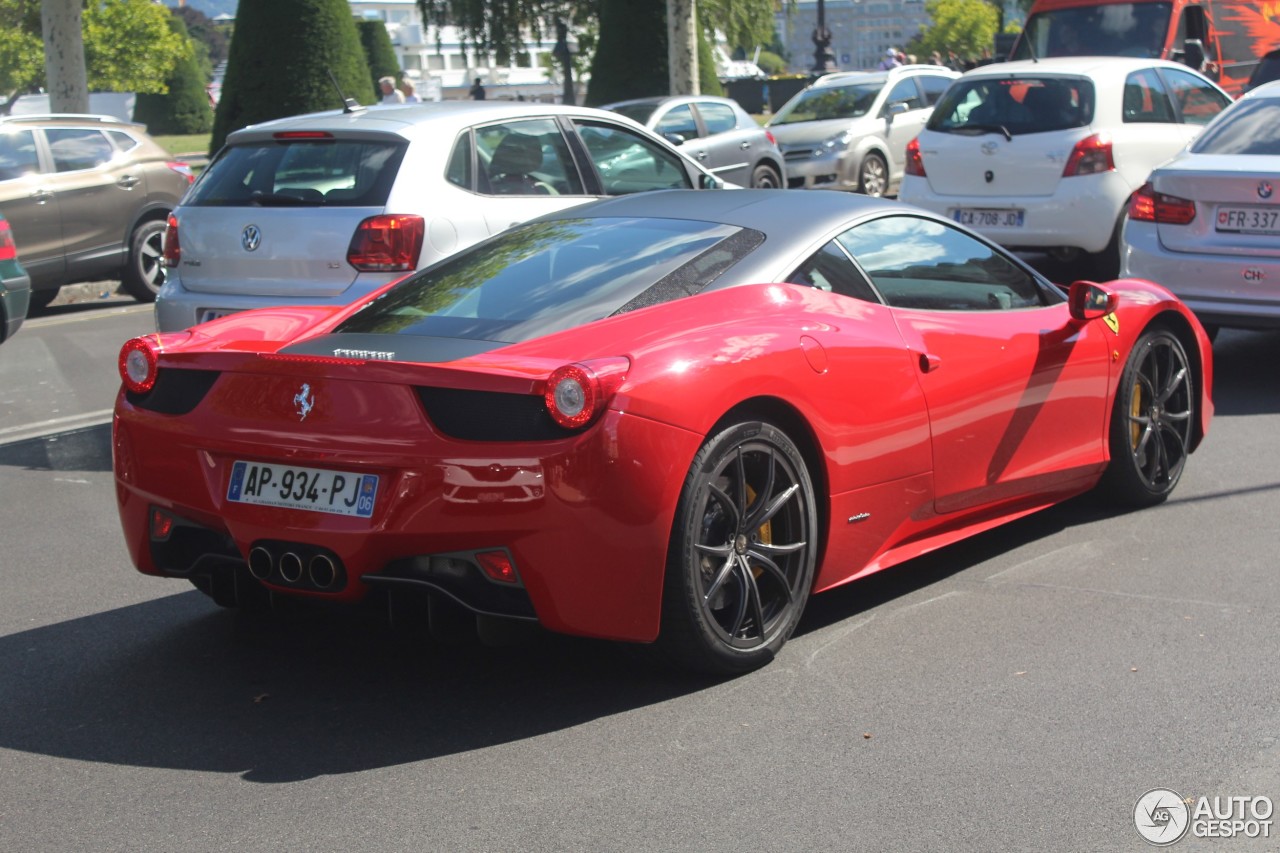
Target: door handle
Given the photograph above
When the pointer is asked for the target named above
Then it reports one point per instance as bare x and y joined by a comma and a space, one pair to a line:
128, 182
744, 145
929, 362
41, 196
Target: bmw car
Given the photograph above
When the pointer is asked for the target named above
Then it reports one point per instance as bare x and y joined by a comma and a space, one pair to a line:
668, 418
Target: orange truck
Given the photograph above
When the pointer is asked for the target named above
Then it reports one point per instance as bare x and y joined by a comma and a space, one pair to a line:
1225, 39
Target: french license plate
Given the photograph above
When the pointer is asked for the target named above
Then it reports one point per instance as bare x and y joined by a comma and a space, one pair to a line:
1249, 220
988, 217
313, 489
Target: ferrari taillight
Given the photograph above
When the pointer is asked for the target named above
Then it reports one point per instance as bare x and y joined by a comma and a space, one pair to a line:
915, 163
576, 393
498, 566
138, 364
387, 243
172, 249
1090, 156
8, 251
1147, 205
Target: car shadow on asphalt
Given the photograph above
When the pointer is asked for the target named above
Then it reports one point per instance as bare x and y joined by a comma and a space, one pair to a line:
87, 449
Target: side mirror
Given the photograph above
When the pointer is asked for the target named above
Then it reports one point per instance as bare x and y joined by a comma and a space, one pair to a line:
707, 181
674, 138
1193, 54
896, 108
1089, 301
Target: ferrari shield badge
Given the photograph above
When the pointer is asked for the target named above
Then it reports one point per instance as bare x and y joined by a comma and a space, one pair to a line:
1112, 321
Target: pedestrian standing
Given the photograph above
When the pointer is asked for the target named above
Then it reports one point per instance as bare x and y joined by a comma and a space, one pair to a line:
409, 91
390, 94
477, 91
890, 60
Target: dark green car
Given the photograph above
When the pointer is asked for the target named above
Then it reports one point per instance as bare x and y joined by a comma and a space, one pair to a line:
15, 285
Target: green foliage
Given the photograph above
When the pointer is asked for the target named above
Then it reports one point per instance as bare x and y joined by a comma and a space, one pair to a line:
771, 63
745, 23
378, 51
497, 26
967, 27
185, 108
128, 46
280, 59
201, 28
631, 59
708, 82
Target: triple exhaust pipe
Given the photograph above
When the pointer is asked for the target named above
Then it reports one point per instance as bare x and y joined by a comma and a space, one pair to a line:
295, 565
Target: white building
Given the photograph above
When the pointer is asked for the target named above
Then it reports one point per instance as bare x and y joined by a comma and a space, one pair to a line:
861, 30
436, 59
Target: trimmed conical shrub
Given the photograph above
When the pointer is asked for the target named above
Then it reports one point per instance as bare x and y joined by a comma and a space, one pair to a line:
280, 59
185, 108
378, 52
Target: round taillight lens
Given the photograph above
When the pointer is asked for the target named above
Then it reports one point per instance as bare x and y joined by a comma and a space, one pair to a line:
572, 396
138, 365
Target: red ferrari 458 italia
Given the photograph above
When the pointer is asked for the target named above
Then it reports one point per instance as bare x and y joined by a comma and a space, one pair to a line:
669, 418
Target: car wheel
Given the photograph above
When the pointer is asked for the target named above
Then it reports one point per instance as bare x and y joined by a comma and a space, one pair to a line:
1151, 427
873, 176
1104, 265
742, 554
144, 272
41, 299
765, 177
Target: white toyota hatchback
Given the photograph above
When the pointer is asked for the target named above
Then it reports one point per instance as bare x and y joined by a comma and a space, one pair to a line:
324, 208
1044, 155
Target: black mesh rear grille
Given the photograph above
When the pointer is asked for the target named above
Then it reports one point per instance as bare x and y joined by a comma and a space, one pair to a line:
177, 391
489, 416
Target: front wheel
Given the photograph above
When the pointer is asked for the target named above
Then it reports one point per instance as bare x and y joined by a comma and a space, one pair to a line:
144, 272
873, 176
1151, 427
742, 553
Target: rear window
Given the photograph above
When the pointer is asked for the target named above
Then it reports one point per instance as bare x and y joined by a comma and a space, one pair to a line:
1252, 127
331, 173
1017, 105
544, 277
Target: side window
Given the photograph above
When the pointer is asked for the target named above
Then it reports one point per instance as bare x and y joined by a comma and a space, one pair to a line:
629, 163
831, 270
923, 264
78, 148
718, 117
679, 121
905, 90
123, 141
1194, 100
933, 86
18, 154
1145, 99
458, 171
525, 158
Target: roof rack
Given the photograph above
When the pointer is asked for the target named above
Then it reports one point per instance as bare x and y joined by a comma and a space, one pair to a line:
70, 116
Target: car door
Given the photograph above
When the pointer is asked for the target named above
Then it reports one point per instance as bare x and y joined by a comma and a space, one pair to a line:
731, 150
29, 203
1016, 388
678, 125
902, 127
95, 197
622, 161
525, 168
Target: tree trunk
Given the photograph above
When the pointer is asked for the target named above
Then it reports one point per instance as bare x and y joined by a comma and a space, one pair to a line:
682, 46
64, 56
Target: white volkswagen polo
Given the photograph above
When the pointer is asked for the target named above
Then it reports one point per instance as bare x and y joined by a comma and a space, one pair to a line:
1044, 155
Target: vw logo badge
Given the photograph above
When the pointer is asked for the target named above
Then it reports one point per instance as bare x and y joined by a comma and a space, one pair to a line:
989, 148
251, 237
1265, 189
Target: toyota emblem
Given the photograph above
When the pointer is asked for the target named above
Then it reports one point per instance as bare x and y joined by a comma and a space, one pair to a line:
251, 237
1265, 189
989, 148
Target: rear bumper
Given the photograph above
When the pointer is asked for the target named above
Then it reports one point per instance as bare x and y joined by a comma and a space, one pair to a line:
586, 520
1222, 289
15, 301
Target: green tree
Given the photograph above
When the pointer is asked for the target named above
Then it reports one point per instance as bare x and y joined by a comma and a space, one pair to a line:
967, 27
281, 56
631, 56
378, 51
185, 108
128, 46
201, 28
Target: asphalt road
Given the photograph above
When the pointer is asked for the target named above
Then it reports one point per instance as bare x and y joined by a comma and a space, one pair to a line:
1018, 692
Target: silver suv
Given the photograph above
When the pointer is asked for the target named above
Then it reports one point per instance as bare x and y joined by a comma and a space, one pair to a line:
849, 130
87, 197
325, 208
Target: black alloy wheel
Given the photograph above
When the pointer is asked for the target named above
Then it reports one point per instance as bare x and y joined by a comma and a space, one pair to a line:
743, 550
1153, 422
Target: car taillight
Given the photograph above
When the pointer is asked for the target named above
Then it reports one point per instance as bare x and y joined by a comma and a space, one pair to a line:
8, 251
576, 393
172, 248
182, 169
1147, 205
138, 364
387, 243
915, 164
1090, 156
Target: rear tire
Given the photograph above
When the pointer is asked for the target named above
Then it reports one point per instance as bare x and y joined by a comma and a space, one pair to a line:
765, 177
743, 547
1152, 422
144, 271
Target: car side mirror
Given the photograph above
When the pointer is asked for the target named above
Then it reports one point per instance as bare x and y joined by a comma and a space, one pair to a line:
1193, 53
674, 138
897, 108
1089, 301
708, 181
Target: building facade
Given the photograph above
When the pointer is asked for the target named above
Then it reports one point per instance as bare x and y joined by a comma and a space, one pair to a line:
861, 30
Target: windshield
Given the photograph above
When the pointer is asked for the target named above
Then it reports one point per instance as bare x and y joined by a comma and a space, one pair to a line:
544, 277
1014, 105
827, 102
1111, 29
1251, 127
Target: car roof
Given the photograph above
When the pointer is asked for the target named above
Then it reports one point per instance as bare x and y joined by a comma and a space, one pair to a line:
836, 78
414, 120
1269, 89
669, 99
1081, 66
70, 120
